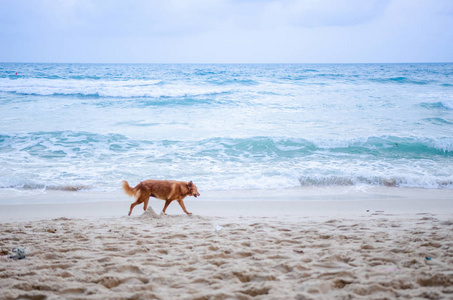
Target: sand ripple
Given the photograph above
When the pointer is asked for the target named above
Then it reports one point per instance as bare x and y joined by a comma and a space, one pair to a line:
182, 257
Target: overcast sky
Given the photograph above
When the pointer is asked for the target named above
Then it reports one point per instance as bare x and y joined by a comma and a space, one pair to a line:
226, 31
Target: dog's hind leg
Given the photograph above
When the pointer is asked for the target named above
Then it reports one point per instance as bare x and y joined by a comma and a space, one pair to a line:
132, 206
139, 200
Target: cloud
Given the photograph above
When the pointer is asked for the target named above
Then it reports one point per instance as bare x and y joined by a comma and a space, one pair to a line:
321, 13
226, 30
111, 17
179, 17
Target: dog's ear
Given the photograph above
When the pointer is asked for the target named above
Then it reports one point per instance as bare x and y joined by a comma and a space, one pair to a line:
190, 184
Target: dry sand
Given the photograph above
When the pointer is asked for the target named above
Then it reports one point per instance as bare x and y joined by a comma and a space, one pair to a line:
273, 252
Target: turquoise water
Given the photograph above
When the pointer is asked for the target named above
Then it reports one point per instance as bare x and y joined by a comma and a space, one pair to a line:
90, 126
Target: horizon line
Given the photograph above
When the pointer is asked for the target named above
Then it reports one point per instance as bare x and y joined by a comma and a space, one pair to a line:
226, 63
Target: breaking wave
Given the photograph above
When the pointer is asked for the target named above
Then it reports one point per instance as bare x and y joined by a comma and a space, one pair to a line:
73, 161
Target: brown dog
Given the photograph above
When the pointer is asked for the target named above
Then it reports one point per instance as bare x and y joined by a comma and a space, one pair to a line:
161, 189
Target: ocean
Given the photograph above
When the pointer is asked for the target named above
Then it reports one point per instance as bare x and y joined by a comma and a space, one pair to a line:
225, 126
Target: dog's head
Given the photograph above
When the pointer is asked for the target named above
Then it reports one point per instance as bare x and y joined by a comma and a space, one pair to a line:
193, 189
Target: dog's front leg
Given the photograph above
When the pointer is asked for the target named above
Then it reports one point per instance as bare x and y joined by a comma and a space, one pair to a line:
181, 203
145, 206
167, 203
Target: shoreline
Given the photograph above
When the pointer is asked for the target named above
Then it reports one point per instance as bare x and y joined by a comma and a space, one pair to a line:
303, 202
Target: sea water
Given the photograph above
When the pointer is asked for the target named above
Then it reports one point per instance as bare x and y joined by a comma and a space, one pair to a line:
232, 126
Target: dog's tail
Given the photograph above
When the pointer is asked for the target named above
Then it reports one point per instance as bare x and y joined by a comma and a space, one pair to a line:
130, 191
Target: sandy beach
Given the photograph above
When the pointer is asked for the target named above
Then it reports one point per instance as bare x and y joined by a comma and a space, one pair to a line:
382, 243
317, 133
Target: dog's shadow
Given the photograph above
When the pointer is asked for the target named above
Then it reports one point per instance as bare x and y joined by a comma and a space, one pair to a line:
150, 215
